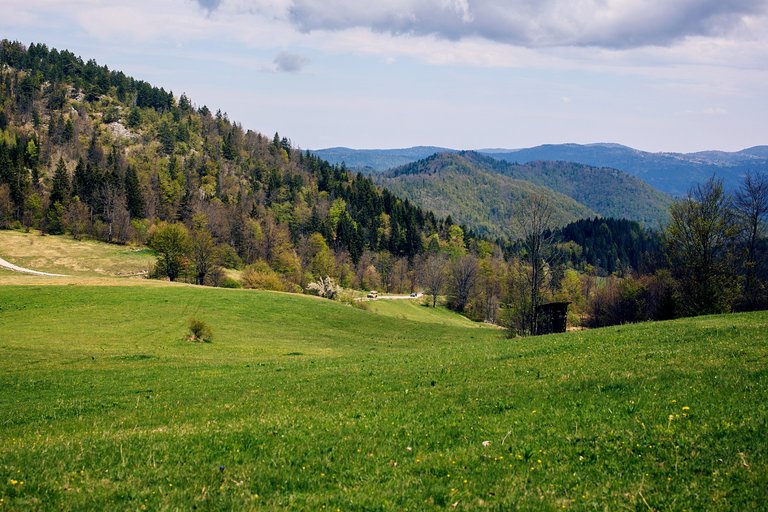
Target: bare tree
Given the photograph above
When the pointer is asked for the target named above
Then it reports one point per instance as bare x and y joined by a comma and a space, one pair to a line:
121, 222
77, 218
533, 218
432, 275
751, 204
463, 273
203, 252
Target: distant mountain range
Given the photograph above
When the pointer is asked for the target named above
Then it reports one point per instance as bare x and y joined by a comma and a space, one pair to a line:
673, 173
481, 192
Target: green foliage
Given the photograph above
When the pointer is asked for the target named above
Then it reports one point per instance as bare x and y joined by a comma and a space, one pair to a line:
199, 331
611, 245
173, 161
701, 241
260, 276
172, 243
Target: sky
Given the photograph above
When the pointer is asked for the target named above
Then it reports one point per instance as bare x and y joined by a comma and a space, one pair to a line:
657, 75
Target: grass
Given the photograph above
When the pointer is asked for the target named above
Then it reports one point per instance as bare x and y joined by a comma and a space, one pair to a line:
415, 310
305, 404
64, 255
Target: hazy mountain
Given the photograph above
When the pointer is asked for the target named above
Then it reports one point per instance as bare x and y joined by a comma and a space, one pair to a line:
376, 160
673, 173
482, 192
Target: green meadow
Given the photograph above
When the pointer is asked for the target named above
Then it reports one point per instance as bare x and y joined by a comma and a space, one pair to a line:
306, 404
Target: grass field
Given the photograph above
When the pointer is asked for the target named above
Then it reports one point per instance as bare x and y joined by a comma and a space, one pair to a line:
415, 310
64, 255
306, 404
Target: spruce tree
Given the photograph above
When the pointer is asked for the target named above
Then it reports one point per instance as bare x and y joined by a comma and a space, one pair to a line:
133, 194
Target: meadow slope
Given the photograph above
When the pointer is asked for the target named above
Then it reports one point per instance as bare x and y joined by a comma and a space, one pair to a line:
306, 404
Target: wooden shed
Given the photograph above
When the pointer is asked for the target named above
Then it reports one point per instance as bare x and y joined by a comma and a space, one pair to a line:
552, 317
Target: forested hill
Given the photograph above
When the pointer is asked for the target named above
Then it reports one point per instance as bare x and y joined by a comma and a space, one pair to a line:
450, 184
608, 191
671, 173
482, 192
87, 149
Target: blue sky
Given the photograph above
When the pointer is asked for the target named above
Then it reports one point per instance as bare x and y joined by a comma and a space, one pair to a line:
658, 75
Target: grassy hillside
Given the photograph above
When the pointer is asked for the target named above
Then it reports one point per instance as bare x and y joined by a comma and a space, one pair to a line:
64, 255
417, 311
306, 404
450, 184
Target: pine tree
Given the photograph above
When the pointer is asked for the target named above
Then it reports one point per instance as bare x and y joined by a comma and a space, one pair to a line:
133, 194
60, 188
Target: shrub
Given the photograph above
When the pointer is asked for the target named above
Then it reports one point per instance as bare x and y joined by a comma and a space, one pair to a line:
260, 276
228, 282
324, 287
199, 331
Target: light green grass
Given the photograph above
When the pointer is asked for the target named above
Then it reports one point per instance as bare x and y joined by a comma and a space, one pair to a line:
312, 405
64, 255
415, 310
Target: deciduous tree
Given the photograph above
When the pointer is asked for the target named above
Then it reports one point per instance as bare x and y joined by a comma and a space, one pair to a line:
533, 218
432, 275
172, 244
701, 241
751, 204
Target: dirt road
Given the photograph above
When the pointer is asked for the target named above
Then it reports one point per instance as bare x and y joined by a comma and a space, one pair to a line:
16, 268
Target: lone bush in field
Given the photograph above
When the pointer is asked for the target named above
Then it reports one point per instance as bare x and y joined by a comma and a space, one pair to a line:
199, 331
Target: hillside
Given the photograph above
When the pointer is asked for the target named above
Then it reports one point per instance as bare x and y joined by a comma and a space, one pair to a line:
91, 152
485, 201
672, 173
607, 191
482, 192
300, 403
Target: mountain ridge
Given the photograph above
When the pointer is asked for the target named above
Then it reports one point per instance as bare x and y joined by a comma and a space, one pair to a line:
669, 172
447, 182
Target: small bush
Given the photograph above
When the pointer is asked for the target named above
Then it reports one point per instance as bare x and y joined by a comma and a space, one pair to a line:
228, 282
351, 298
260, 276
199, 331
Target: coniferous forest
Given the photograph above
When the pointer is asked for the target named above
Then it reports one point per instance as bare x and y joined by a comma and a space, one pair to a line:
87, 151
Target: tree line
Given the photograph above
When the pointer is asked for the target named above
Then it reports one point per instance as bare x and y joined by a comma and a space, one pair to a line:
84, 151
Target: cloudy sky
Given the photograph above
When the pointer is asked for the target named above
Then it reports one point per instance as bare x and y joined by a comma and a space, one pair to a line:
658, 75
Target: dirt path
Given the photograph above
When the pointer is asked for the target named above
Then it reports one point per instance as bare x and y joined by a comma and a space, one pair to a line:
16, 268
